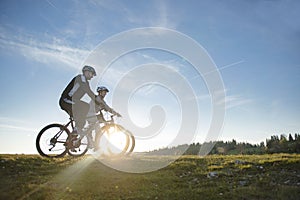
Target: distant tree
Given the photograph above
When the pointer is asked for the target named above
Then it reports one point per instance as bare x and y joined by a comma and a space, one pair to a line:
262, 145
193, 149
297, 143
231, 145
273, 145
276, 144
283, 144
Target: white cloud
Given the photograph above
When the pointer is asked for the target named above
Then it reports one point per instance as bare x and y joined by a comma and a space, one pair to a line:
11, 120
8, 124
19, 128
231, 101
157, 17
234, 101
52, 51
49, 53
163, 19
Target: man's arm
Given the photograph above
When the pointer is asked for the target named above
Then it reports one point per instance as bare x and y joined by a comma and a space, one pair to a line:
89, 92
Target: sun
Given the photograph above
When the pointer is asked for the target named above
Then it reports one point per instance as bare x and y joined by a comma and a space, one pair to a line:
113, 141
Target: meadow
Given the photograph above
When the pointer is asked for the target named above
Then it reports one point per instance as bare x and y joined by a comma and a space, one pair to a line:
269, 176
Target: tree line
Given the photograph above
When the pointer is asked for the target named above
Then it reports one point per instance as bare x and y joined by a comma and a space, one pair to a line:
276, 144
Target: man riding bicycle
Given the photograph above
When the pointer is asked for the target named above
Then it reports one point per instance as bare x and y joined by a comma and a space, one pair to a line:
70, 100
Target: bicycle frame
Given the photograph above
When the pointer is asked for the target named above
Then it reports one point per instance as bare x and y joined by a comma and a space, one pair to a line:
71, 122
89, 129
53, 140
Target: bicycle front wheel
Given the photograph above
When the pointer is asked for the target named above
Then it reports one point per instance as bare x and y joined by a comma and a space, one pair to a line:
131, 137
113, 140
52, 141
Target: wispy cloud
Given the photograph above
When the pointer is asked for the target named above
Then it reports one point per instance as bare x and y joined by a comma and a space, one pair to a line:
9, 124
19, 128
220, 69
159, 16
234, 101
163, 19
127, 67
54, 52
10, 120
231, 101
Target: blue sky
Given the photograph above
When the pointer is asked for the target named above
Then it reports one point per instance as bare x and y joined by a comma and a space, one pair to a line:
254, 44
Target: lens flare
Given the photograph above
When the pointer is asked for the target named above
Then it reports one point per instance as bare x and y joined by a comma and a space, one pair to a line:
113, 141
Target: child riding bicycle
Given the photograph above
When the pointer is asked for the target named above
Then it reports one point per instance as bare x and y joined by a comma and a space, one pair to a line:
95, 115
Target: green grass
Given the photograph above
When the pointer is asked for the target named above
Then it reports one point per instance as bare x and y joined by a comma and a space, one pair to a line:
190, 177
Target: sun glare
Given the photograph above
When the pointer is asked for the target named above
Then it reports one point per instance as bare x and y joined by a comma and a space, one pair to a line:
113, 141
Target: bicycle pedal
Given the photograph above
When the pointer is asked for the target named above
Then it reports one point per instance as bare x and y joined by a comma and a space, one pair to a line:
73, 150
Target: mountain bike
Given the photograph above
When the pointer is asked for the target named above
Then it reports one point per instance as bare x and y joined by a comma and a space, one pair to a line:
56, 140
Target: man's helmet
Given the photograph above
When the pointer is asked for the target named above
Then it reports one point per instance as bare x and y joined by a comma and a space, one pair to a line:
102, 88
89, 68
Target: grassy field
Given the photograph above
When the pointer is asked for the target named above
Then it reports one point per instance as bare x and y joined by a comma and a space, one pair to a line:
190, 177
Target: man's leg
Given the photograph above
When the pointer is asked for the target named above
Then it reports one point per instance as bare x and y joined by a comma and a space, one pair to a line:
97, 136
80, 110
66, 107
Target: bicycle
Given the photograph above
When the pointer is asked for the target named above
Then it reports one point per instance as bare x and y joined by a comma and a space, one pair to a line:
56, 140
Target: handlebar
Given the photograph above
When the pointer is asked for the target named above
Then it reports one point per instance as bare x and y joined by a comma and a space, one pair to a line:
112, 118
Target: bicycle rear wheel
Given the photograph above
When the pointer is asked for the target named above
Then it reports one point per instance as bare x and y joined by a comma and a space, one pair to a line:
52, 141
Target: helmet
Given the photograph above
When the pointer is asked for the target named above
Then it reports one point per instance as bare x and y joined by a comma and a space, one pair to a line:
102, 88
89, 68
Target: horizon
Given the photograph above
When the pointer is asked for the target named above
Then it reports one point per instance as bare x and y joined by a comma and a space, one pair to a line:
167, 147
